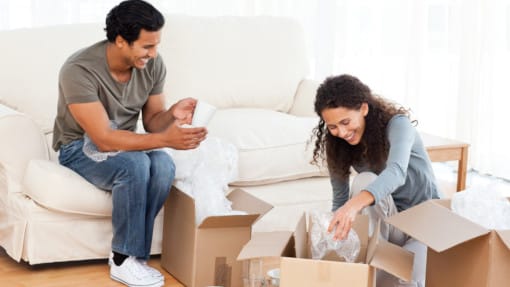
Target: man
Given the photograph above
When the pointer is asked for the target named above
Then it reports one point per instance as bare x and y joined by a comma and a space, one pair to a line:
102, 91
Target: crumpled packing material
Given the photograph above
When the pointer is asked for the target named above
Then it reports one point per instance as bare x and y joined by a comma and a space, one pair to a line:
204, 174
484, 206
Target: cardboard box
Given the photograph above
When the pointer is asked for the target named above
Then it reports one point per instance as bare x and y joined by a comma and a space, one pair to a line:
205, 255
296, 269
263, 253
266, 250
460, 252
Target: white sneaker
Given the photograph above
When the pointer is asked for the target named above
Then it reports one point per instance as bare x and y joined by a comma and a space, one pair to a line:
151, 270
133, 274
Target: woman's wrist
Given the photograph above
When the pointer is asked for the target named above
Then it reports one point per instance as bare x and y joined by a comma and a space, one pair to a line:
362, 200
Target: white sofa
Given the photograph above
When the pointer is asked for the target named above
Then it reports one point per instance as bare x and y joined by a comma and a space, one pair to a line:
253, 69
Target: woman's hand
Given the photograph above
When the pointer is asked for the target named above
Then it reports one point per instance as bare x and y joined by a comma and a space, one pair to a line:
346, 214
342, 220
182, 111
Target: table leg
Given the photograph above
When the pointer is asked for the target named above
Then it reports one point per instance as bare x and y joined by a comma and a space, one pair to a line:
462, 170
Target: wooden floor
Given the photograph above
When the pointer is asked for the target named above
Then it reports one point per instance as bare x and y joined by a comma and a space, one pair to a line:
75, 274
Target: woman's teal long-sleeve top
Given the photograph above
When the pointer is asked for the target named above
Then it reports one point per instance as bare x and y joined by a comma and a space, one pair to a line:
407, 176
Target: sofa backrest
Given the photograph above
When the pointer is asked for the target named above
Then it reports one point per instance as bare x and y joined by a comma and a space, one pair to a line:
32, 60
234, 62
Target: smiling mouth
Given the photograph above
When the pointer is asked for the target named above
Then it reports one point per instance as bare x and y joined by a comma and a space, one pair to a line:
350, 137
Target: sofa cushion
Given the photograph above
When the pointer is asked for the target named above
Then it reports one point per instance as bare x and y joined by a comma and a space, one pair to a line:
272, 145
234, 62
59, 188
305, 98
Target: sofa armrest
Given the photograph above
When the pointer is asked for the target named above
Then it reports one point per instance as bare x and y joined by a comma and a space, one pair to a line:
22, 140
305, 98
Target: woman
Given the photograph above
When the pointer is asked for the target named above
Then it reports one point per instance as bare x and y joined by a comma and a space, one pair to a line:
360, 130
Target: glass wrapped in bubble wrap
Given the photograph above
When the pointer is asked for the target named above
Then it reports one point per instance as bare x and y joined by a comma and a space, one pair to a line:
322, 242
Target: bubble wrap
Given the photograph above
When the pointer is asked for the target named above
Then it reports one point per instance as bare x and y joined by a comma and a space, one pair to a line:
91, 151
483, 205
322, 242
204, 173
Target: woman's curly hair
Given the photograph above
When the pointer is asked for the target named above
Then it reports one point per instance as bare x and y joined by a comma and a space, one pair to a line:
349, 92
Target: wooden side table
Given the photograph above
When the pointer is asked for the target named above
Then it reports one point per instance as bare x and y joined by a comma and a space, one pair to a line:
443, 149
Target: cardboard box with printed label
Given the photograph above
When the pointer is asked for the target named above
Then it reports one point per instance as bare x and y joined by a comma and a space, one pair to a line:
289, 252
205, 255
460, 252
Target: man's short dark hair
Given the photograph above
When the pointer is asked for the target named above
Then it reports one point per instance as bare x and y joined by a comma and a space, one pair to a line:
131, 16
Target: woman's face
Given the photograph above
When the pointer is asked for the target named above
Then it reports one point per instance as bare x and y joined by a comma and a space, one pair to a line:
345, 123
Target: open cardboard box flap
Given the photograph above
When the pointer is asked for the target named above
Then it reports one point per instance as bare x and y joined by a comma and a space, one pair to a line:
505, 237
243, 201
434, 224
389, 257
226, 221
276, 243
265, 244
301, 238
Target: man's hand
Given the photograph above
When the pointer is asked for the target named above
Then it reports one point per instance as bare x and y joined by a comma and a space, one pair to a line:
346, 214
184, 138
182, 111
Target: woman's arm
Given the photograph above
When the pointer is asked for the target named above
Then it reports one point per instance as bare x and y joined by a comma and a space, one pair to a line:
401, 137
340, 192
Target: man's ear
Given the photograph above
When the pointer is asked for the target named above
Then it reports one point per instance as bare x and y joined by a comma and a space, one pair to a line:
120, 42
364, 109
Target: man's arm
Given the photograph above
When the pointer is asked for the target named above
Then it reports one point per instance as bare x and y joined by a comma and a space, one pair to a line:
156, 118
93, 119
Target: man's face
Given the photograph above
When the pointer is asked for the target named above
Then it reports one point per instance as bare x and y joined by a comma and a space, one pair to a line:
143, 49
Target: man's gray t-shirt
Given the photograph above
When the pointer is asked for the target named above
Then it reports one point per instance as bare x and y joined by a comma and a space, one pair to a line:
407, 176
85, 78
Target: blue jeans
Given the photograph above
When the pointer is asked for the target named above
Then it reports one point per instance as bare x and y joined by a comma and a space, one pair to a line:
139, 182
